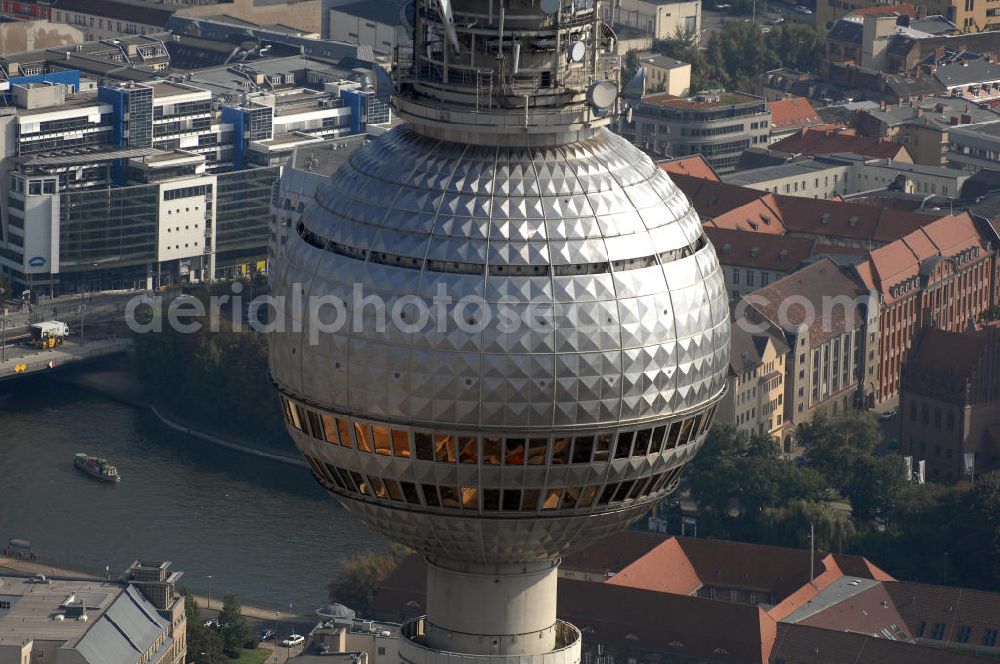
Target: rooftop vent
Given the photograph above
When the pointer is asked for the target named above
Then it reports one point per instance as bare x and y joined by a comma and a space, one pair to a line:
754, 252
853, 221
825, 219
783, 254
727, 249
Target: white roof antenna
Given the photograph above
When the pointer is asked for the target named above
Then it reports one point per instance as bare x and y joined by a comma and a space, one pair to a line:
449, 22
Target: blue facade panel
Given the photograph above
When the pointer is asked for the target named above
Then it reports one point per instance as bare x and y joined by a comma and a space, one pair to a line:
356, 101
236, 117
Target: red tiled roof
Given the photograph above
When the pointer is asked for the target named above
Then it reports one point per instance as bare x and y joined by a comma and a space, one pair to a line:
618, 615
948, 356
902, 259
684, 564
826, 141
854, 605
792, 113
614, 553
758, 250
815, 283
692, 627
955, 607
730, 206
695, 166
665, 568
802, 644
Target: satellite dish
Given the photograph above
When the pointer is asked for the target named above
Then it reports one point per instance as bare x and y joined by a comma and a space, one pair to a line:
549, 6
602, 94
577, 50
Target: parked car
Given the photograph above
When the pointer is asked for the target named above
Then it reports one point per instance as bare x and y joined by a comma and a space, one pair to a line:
211, 622
265, 634
723, 7
887, 415
777, 20
293, 640
39, 578
803, 10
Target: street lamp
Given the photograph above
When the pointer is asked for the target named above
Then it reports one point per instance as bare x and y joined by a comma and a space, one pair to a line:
288, 650
209, 577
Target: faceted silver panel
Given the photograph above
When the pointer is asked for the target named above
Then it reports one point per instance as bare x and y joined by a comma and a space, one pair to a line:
640, 335
623, 336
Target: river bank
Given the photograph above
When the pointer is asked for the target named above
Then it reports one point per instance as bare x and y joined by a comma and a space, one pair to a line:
123, 387
260, 528
16, 567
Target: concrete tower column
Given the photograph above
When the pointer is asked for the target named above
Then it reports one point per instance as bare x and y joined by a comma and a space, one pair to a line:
491, 610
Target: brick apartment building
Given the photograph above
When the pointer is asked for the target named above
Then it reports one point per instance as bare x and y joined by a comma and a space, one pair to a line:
950, 402
926, 270
941, 275
830, 326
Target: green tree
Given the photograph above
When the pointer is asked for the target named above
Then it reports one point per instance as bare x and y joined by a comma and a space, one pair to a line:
991, 314
361, 576
976, 536
206, 373
232, 626
738, 474
630, 65
833, 445
192, 612
204, 645
789, 526
875, 484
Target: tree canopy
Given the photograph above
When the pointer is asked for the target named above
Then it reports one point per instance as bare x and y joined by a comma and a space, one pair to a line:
232, 626
361, 576
735, 56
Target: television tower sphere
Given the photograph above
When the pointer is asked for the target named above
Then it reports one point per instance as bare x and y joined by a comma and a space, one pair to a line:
534, 329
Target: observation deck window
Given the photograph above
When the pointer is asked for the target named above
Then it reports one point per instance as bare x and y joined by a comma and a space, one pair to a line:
529, 499
468, 449
449, 497
602, 451
444, 448
363, 434
491, 500
514, 452
491, 450
537, 451
401, 443
560, 450
395, 493
383, 444
583, 446
425, 446
470, 497
431, 495
624, 444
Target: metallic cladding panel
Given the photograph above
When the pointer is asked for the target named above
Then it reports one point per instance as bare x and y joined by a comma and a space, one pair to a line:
620, 346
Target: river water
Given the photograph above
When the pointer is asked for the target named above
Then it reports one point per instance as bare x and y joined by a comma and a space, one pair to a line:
261, 529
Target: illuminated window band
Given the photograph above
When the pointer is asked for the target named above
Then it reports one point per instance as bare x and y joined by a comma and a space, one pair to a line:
463, 448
